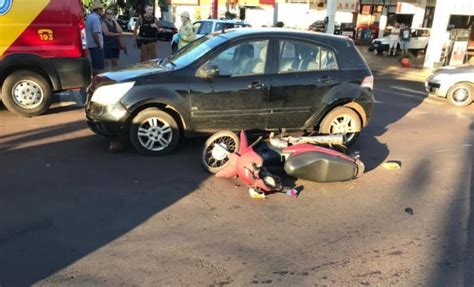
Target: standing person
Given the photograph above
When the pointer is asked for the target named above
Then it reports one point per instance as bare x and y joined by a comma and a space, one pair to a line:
394, 39
186, 32
112, 32
404, 38
147, 24
94, 38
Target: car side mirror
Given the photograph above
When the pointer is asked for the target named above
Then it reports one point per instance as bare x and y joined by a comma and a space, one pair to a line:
208, 72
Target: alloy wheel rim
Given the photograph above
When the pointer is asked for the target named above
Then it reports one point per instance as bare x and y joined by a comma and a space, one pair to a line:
27, 94
155, 134
461, 95
214, 157
344, 124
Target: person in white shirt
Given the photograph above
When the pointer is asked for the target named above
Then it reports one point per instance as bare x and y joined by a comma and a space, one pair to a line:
394, 39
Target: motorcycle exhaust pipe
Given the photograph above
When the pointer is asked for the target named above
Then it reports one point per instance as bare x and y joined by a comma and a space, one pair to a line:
332, 139
335, 139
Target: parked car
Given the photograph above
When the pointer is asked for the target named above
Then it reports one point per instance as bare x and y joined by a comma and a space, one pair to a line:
418, 42
41, 52
454, 83
166, 30
239, 79
348, 30
209, 26
123, 20
131, 24
320, 26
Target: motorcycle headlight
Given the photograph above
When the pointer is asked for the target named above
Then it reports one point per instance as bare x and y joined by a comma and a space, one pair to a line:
111, 94
269, 181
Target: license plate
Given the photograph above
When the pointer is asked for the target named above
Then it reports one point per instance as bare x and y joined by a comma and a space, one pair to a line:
376, 45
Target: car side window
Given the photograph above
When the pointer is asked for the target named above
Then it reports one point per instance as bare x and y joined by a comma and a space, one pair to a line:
302, 57
327, 60
244, 59
205, 28
220, 26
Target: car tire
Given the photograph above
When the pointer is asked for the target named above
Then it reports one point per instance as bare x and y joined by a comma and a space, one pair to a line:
212, 160
26, 93
154, 132
461, 94
342, 120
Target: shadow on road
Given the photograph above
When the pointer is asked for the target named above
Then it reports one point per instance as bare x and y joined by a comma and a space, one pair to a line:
456, 259
76, 198
395, 99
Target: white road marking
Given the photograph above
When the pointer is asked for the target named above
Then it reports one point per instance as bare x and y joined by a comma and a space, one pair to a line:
410, 96
453, 149
408, 90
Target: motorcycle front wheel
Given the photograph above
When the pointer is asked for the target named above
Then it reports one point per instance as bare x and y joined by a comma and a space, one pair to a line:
214, 159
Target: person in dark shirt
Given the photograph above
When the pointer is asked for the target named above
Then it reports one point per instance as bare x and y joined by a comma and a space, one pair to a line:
147, 25
112, 32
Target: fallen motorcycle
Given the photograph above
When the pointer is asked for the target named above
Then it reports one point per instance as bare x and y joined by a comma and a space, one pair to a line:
227, 156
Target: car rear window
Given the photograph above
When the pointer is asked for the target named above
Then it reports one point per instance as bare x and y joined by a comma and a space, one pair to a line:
349, 56
166, 24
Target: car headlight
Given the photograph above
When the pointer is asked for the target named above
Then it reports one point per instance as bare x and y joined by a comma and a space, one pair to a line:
111, 94
430, 77
438, 78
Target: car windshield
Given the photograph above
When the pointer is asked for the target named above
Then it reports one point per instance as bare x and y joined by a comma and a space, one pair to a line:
193, 51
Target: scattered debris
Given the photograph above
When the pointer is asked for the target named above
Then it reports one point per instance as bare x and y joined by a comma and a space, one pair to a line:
293, 192
392, 165
409, 210
257, 194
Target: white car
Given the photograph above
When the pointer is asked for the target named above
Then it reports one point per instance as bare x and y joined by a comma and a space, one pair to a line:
204, 27
456, 83
418, 41
131, 24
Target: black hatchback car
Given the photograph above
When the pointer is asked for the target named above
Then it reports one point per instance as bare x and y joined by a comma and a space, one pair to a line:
238, 79
166, 30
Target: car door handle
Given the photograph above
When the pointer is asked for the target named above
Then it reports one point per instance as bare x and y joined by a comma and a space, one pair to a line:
256, 86
325, 79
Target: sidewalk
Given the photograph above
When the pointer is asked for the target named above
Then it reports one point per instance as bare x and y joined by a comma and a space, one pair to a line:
388, 66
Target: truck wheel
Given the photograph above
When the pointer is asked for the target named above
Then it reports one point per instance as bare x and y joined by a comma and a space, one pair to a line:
26, 93
154, 132
213, 160
342, 120
461, 94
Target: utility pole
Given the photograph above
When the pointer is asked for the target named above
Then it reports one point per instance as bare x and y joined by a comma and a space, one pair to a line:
214, 8
331, 14
383, 19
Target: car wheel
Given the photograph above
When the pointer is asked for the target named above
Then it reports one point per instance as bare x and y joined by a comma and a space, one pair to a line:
342, 120
154, 132
26, 93
213, 159
461, 94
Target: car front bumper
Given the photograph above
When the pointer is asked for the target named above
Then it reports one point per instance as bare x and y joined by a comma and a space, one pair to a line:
433, 88
108, 121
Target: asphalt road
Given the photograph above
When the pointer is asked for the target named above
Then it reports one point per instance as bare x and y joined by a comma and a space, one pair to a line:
72, 213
